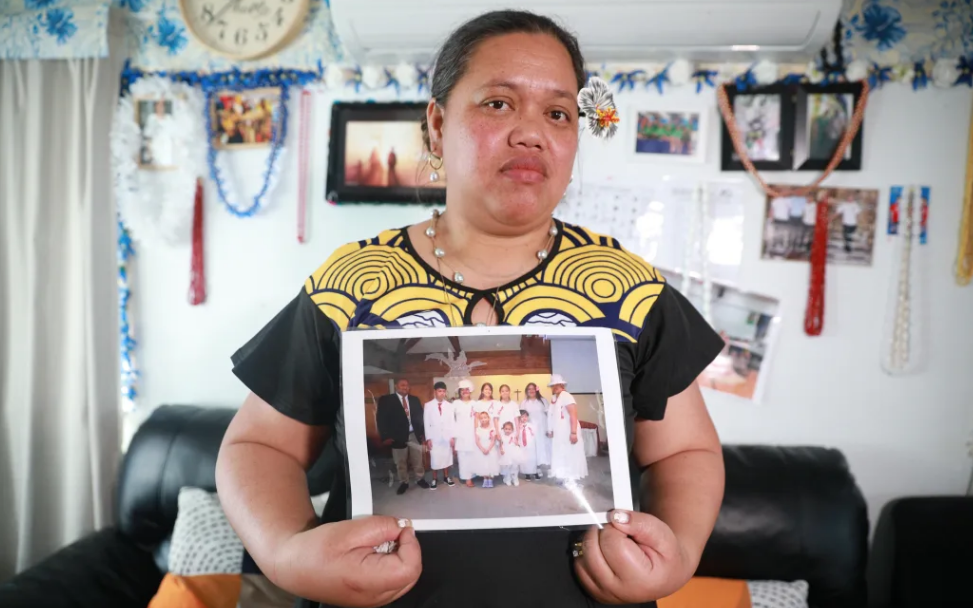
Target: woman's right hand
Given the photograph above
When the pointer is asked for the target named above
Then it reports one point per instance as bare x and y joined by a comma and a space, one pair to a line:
337, 563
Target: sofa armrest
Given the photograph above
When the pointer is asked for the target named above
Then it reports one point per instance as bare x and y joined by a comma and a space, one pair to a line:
102, 569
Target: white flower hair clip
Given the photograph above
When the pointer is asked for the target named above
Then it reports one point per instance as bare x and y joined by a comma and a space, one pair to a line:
597, 105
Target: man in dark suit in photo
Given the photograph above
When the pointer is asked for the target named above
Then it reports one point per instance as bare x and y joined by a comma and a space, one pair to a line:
400, 426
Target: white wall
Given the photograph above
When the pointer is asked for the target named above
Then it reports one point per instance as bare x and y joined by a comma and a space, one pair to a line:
901, 435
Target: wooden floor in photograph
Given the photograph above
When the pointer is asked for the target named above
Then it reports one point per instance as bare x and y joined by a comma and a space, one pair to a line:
530, 498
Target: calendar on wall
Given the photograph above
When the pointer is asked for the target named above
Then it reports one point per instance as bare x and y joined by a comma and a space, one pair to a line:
662, 221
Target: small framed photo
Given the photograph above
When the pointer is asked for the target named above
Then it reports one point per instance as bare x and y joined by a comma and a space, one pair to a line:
154, 118
244, 119
668, 134
823, 114
376, 155
765, 121
790, 223
526, 423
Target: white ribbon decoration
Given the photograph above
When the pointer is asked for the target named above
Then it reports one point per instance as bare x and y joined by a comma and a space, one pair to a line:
156, 205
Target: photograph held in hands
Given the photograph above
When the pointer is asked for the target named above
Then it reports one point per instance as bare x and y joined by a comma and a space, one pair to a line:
485, 427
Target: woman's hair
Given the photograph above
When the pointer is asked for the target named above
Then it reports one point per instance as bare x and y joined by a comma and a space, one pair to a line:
503, 386
485, 384
453, 58
537, 391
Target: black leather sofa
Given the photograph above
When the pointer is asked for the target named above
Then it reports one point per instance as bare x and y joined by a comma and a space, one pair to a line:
789, 513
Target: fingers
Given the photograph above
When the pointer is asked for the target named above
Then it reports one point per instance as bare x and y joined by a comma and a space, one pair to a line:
594, 560
371, 531
395, 572
651, 533
623, 556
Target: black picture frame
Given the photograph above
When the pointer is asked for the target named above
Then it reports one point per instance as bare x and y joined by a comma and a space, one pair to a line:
783, 99
340, 190
813, 153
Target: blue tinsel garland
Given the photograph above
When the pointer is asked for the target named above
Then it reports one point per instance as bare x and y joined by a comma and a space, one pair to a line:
129, 372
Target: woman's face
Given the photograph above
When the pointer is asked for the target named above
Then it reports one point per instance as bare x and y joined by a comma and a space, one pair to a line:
487, 391
509, 132
531, 391
505, 393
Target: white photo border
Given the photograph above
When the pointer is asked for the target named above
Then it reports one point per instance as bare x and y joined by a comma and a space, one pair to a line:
353, 387
631, 132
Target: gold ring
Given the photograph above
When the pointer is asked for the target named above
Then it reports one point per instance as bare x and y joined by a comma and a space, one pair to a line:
577, 549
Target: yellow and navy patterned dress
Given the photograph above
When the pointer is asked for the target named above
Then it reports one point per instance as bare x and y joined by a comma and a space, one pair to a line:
587, 280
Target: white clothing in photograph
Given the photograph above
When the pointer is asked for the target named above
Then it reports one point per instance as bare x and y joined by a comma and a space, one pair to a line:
781, 209
439, 422
538, 409
810, 213
486, 465
512, 454
159, 130
507, 412
529, 442
568, 460
849, 211
463, 415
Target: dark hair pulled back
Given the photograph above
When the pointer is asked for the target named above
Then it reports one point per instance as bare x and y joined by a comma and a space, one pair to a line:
453, 57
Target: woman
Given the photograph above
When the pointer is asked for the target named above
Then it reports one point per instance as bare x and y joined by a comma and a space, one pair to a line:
568, 461
506, 411
537, 407
503, 121
465, 410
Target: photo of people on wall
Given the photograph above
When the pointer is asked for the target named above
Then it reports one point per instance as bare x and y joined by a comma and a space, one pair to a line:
245, 118
389, 154
667, 133
154, 117
791, 220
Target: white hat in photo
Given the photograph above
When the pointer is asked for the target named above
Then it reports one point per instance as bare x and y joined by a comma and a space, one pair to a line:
465, 384
556, 379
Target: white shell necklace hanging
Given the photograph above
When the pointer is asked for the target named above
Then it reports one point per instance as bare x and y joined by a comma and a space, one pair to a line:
439, 253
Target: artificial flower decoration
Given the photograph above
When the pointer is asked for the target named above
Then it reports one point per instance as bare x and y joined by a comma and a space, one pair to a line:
597, 104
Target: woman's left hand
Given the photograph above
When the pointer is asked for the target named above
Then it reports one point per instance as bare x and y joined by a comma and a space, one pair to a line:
634, 559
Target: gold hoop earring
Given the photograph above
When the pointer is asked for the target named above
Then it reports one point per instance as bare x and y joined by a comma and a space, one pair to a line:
434, 176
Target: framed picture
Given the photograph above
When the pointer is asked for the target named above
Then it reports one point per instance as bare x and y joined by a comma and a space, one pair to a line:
790, 222
823, 114
376, 155
154, 118
668, 134
466, 392
749, 324
765, 121
244, 119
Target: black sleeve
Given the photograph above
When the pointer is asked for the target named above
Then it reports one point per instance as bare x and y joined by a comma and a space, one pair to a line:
418, 419
294, 363
675, 346
382, 418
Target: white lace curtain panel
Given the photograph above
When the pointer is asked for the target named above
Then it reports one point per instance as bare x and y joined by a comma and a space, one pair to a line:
59, 420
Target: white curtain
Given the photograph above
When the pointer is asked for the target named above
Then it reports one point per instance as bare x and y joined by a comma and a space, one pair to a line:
59, 415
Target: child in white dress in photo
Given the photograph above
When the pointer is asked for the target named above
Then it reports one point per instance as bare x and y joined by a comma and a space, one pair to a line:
510, 455
538, 408
568, 460
464, 411
486, 462
506, 411
528, 447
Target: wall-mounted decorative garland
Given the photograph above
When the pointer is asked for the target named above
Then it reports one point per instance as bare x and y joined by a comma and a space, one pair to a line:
155, 200
218, 170
814, 315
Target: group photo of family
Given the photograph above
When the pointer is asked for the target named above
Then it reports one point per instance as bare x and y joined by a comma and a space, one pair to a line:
791, 220
486, 428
